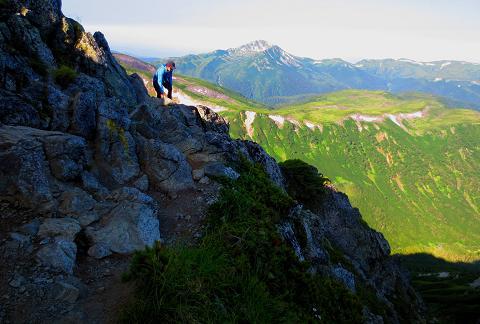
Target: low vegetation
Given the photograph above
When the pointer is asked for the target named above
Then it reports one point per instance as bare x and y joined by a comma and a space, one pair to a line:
305, 183
64, 76
241, 270
446, 287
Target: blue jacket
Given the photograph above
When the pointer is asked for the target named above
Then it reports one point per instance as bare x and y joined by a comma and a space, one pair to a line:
163, 76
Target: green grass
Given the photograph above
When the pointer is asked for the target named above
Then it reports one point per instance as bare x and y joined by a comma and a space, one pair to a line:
240, 272
420, 187
64, 76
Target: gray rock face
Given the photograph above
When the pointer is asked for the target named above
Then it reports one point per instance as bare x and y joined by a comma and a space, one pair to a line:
116, 152
66, 155
65, 228
139, 88
16, 112
24, 33
212, 121
44, 13
23, 168
258, 155
84, 114
31, 156
59, 254
220, 170
166, 167
337, 225
129, 227
345, 276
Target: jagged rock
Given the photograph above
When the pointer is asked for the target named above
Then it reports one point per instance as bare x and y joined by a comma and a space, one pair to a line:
169, 125
24, 33
90, 183
59, 104
66, 155
258, 155
59, 254
130, 226
116, 153
204, 181
212, 121
114, 76
344, 229
23, 168
65, 228
165, 165
84, 114
44, 13
220, 170
345, 276
139, 88
16, 112
77, 204
17, 281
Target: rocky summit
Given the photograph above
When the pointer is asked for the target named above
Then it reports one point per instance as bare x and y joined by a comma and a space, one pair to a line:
92, 169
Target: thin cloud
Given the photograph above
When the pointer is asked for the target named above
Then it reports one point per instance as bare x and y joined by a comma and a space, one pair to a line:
420, 30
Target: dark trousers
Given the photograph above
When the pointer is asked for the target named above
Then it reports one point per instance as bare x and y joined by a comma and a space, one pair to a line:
167, 86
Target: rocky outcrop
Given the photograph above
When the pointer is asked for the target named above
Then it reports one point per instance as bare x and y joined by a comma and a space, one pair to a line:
94, 159
337, 242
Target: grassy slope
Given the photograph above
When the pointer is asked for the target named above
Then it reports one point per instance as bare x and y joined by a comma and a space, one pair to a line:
421, 188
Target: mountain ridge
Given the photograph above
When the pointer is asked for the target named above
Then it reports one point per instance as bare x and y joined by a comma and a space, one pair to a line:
271, 75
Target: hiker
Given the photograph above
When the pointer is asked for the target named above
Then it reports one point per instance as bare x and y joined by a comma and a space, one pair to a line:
163, 79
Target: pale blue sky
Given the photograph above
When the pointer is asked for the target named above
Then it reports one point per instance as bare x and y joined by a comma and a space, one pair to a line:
422, 30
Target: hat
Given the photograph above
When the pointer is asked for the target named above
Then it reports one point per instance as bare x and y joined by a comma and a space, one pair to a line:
172, 64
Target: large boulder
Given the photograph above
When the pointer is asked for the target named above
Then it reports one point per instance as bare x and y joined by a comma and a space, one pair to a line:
59, 255
78, 204
129, 227
66, 154
166, 167
175, 125
28, 159
116, 154
66, 228
24, 171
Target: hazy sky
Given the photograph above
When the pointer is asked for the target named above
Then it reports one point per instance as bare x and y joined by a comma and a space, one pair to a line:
350, 29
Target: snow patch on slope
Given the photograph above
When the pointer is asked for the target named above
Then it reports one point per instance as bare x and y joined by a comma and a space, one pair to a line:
188, 101
279, 120
397, 119
250, 118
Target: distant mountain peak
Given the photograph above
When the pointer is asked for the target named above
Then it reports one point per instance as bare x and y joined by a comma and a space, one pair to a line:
256, 46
